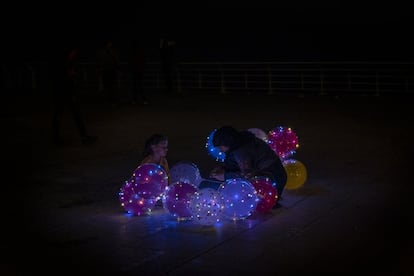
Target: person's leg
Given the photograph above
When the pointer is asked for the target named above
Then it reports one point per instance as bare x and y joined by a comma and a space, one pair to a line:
168, 79
56, 121
77, 117
108, 81
140, 88
133, 88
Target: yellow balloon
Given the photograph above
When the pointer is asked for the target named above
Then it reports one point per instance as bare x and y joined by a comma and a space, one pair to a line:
296, 173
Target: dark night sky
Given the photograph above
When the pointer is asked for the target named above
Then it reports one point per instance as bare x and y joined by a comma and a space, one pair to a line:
295, 31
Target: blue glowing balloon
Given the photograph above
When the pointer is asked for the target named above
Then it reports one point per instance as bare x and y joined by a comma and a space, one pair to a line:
212, 150
240, 198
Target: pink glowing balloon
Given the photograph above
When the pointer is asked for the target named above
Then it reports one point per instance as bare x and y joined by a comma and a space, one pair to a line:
177, 199
266, 192
283, 141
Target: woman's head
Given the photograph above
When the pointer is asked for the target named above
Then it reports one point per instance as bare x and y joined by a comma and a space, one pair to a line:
156, 144
225, 138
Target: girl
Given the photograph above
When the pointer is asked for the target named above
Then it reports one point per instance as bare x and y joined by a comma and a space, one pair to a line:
155, 151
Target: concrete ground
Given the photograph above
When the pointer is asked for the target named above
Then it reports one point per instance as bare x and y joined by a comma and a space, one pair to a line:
62, 215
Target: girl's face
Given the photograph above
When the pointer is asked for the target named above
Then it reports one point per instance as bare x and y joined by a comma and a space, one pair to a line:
160, 149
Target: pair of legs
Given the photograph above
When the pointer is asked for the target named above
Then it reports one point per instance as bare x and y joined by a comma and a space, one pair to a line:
137, 89
109, 79
63, 101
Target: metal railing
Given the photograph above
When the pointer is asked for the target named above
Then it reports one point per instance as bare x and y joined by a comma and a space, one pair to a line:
323, 78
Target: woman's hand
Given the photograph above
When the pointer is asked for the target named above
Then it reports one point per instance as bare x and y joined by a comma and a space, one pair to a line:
217, 173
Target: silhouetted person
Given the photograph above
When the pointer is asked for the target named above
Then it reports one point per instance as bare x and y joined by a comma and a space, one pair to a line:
247, 156
109, 69
167, 47
136, 67
64, 88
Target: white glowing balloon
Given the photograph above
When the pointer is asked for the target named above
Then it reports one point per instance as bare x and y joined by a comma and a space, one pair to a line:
259, 133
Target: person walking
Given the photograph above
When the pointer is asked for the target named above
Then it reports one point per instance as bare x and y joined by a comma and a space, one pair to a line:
65, 94
167, 52
109, 68
136, 66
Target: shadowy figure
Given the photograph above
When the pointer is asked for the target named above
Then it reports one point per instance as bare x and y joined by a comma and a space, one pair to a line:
109, 69
246, 157
64, 88
167, 52
136, 66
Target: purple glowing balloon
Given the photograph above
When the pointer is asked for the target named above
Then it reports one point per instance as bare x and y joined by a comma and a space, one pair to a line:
177, 199
149, 181
133, 203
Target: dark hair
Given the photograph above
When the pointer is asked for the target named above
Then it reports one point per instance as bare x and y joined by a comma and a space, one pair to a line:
226, 136
153, 140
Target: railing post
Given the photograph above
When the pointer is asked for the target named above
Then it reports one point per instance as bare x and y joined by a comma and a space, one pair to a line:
349, 82
157, 80
269, 74
377, 84
246, 85
302, 85
32, 76
322, 77
406, 85
178, 80
223, 86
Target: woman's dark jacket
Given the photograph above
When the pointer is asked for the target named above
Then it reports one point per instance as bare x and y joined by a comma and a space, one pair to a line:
251, 156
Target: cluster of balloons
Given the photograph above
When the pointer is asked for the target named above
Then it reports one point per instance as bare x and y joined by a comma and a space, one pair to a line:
284, 142
235, 199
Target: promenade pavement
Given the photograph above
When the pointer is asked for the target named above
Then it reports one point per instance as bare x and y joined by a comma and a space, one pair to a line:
62, 215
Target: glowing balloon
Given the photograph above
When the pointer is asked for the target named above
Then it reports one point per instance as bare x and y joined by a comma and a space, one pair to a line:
259, 133
239, 197
177, 199
133, 203
283, 141
206, 206
185, 172
266, 192
212, 150
149, 181
296, 173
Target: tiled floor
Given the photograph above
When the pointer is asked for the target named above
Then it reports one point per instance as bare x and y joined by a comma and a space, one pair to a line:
350, 216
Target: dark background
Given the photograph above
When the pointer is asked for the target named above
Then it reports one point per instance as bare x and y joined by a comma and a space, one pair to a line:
297, 30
